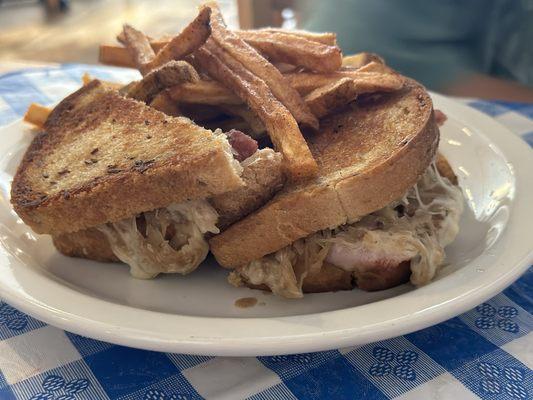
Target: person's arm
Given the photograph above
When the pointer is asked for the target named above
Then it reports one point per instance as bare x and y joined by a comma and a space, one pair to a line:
488, 87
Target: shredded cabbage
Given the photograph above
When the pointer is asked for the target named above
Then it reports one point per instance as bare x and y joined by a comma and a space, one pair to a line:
275, 271
173, 240
416, 227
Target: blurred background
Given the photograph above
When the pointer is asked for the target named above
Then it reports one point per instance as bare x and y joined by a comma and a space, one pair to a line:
473, 48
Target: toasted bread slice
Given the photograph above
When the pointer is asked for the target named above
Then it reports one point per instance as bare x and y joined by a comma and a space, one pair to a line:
102, 158
368, 156
87, 243
262, 175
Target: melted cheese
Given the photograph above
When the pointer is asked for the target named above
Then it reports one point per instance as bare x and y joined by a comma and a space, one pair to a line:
174, 240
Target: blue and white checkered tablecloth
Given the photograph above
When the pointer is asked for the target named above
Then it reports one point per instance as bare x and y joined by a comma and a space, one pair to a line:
484, 353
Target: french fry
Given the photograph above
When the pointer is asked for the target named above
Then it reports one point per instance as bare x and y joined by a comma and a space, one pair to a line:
203, 92
191, 38
115, 55
295, 50
157, 44
279, 122
327, 38
86, 79
266, 40
119, 56
213, 93
260, 67
365, 79
202, 112
335, 95
305, 82
171, 74
360, 59
376, 66
139, 47
164, 103
37, 115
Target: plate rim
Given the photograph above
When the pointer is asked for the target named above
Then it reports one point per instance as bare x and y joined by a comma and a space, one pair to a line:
299, 340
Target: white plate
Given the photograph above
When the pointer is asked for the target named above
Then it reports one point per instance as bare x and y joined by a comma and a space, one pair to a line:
196, 314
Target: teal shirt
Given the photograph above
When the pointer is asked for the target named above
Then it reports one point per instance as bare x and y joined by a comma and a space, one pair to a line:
436, 42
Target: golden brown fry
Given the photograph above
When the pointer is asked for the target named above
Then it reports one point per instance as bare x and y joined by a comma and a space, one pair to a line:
360, 59
139, 47
260, 67
203, 92
164, 103
295, 50
327, 38
375, 77
263, 40
202, 112
171, 74
286, 68
37, 115
115, 55
191, 38
279, 122
376, 66
158, 44
120, 56
86, 79
305, 82
335, 95
365, 79
213, 93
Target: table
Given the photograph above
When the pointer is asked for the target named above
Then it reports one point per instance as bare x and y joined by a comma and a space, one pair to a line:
484, 353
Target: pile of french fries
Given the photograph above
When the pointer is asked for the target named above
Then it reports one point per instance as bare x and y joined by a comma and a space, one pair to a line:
263, 82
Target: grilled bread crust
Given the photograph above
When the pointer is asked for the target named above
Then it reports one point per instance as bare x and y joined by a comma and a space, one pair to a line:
102, 158
368, 156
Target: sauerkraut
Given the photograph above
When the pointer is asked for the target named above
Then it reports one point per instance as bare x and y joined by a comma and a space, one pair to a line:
166, 240
416, 228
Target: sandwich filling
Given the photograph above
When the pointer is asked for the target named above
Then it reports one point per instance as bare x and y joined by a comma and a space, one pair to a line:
415, 228
172, 239
166, 240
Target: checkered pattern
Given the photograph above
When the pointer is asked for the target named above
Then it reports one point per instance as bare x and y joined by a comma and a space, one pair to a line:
484, 353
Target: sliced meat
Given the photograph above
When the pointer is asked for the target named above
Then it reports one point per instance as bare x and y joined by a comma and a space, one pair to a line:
383, 277
378, 261
368, 255
243, 145
440, 117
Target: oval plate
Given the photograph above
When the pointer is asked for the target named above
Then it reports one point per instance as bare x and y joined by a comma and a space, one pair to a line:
196, 314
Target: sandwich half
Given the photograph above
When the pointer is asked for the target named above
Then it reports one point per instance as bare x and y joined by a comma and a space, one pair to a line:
123, 170
262, 175
380, 212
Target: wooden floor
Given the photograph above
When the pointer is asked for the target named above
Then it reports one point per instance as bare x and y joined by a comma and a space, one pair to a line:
27, 32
